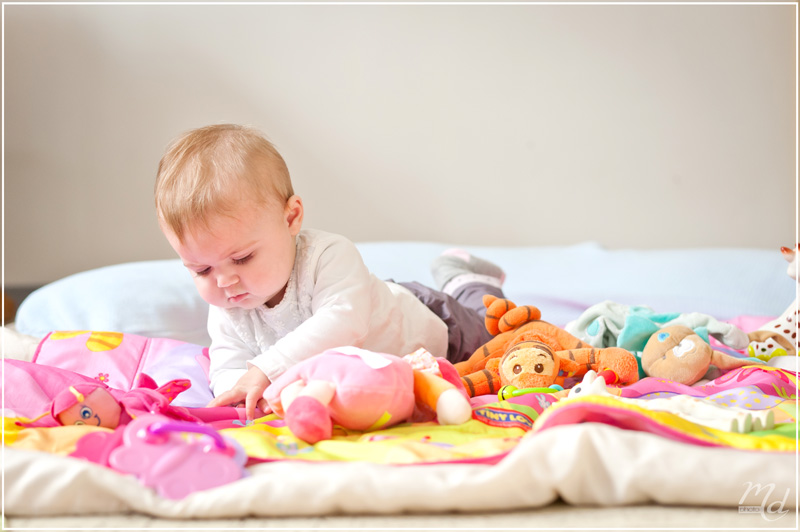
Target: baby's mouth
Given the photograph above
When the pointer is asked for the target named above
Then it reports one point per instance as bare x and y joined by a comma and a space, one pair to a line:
237, 298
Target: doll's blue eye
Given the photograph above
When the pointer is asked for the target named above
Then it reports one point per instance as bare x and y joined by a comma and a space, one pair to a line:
662, 336
86, 412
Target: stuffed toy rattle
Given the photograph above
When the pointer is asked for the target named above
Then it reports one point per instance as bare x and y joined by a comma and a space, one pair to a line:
529, 353
678, 354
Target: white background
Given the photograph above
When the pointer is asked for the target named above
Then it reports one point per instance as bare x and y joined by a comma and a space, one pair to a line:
636, 126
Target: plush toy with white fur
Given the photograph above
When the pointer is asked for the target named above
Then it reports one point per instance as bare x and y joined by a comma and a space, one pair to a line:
697, 410
779, 337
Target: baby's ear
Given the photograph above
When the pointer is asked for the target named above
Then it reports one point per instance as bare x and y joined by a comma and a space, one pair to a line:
293, 213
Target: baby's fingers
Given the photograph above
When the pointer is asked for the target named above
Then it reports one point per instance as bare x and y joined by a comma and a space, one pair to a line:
225, 399
263, 405
250, 404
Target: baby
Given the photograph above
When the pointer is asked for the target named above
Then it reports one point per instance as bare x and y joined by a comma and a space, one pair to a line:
278, 293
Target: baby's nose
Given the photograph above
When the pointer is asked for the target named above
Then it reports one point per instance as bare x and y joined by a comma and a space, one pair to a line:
225, 280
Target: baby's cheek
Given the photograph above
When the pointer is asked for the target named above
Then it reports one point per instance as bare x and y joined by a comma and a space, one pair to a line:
208, 292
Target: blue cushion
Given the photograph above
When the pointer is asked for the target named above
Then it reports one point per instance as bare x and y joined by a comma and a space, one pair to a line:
152, 298
158, 298
563, 281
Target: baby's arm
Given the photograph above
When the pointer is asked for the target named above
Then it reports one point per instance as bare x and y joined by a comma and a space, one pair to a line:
228, 354
232, 379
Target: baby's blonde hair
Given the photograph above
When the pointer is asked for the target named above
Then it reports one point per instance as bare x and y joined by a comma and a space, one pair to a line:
213, 170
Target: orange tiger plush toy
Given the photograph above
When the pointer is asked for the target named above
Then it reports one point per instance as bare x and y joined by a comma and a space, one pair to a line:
527, 352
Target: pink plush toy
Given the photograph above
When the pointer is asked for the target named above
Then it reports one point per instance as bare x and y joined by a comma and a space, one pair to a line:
363, 390
160, 453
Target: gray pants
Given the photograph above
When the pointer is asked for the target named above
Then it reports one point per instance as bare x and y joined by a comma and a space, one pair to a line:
463, 313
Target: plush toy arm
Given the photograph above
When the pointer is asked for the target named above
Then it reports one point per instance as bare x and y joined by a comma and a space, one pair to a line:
435, 393
304, 406
727, 362
495, 308
621, 362
322, 391
485, 381
146, 381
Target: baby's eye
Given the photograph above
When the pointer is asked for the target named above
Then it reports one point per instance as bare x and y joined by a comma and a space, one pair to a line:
86, 412
243, 259
203, 273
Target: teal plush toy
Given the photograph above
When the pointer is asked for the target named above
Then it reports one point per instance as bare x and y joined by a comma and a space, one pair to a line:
610, 324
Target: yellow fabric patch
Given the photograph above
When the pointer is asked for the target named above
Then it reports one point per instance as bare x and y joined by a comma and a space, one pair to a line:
764, 441
97, 341
11, 430
401, 444
56, 440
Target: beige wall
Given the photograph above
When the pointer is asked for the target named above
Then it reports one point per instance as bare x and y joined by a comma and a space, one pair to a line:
637, 126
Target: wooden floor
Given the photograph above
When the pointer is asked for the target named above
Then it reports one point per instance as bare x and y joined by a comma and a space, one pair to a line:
552, 517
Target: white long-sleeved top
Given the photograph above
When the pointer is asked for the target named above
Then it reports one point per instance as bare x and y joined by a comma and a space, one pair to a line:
331, 300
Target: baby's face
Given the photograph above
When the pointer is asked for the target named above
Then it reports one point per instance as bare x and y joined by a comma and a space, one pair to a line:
242, 262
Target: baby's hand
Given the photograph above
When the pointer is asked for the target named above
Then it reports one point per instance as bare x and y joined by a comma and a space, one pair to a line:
250, 388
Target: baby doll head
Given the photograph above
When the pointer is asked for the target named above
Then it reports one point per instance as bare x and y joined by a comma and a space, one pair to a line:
86, 404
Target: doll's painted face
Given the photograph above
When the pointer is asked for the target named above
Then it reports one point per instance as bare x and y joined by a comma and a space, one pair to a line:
528, 364
97, 409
